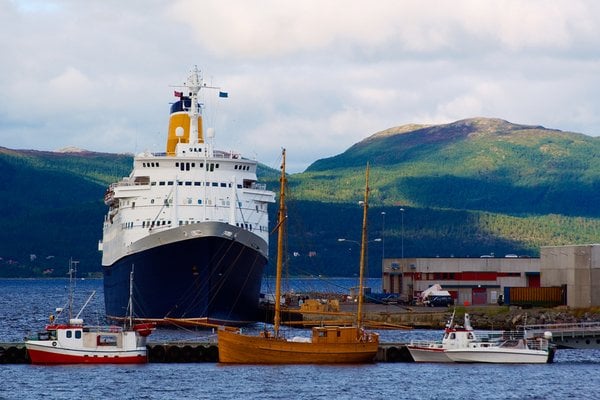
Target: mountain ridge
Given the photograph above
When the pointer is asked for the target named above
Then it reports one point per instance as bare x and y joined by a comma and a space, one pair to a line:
474, 186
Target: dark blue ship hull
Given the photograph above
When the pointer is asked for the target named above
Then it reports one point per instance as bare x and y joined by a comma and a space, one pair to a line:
205, 277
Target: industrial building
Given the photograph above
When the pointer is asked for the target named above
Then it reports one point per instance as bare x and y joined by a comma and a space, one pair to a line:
469, 280
577, 267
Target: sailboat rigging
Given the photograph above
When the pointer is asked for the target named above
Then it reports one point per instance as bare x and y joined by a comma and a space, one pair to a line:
327, 345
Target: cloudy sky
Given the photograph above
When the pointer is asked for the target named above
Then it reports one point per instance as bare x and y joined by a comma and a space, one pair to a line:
314, 76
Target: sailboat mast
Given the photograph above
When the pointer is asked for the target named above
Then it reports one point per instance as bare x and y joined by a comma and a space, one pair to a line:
130, 305
280, 233
363, 251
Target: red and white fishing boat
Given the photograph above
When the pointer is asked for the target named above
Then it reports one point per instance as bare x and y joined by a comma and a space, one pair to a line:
75, 343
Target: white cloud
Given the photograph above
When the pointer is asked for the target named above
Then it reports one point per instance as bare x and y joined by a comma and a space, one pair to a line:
313, 76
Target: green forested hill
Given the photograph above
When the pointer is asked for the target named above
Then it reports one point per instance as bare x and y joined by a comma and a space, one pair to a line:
51, 208
472, 187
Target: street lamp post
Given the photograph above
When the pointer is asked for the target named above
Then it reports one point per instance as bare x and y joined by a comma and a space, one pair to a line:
382, 237
357, 242
402, 236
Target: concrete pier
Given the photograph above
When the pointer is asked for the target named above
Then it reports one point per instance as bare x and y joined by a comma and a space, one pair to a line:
193, 352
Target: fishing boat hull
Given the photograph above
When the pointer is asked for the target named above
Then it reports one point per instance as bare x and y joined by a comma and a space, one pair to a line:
434, 353
235, 348
206, 271
498, 355
66, 344
44, 353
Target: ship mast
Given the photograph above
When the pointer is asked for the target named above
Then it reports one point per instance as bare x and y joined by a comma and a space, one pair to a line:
363, 251
280, 233
194, 84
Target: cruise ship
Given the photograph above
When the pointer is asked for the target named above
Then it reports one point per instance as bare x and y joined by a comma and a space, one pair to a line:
193, 222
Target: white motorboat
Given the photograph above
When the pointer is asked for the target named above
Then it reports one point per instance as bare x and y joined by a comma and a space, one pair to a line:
512, 348
463, 344
455, 336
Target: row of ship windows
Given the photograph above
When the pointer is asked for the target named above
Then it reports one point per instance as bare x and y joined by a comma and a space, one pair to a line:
224, 203
186, 166
152, 224
196, 183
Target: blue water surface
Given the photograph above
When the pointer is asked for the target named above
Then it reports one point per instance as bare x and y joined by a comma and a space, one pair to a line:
26, 304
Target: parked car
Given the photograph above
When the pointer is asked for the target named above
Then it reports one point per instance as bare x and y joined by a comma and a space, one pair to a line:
391, 299
441, 300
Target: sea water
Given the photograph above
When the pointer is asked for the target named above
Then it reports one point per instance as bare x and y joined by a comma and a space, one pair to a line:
26, 304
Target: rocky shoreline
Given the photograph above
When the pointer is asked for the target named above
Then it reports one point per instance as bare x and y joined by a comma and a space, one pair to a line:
482, 318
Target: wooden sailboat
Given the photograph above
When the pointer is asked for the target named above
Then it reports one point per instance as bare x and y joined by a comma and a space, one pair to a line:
328, 344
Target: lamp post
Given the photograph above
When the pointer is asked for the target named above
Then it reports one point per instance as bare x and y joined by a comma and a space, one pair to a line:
382, 237
357, 242
402, 236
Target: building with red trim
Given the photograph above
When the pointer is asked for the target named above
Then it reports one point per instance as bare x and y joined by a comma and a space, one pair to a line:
469, 280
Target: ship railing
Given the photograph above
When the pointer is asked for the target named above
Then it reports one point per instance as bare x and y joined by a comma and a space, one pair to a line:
577, 329
103, 328
258, 186
127, 183
498, 336
426, 343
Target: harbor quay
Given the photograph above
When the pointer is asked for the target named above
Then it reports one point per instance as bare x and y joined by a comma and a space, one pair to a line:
571, 329
194, 352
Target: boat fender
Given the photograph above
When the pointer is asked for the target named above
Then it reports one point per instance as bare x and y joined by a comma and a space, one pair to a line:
54, 344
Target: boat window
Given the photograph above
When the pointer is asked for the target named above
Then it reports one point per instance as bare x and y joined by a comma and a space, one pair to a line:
106, 340
170, 183
470, 336
69, 334
223, 184
323, 334
197, 183
453, 335
161, 183
77, 334
199, 201
215, 184
188, 183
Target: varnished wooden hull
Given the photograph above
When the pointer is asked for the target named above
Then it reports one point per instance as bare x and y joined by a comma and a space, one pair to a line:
236, 348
